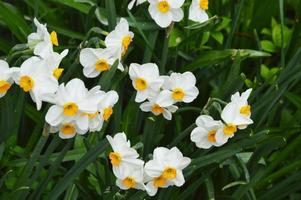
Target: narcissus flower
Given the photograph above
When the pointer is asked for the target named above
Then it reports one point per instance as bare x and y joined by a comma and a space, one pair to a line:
236, 115
130, 177
41, 40
182, 87
122, 154
160, 104
204, 135
138, 2
35, 78
5, 78
197, 10
165, 168
164, 12
145, 79
119, 40
96, 61
106, 104
72, 101
67, 130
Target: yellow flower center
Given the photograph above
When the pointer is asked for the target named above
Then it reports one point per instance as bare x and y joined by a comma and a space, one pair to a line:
157, 109
169, 173
91, 116
126, 41
159, 181
245, 110
141, 84
68, 129
230, 129
203, 4
102, 65
58, 72
115, 158
70, 109
163, 6
53, 38
107, 113
4, 86
26, 83
211, 136
129, 182
178, 94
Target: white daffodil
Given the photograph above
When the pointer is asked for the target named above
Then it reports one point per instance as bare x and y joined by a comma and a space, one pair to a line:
204, 134
138, 2
35, 78
165, 168
41, 41
95, 61
161, 104
164, 12
67, 130
5, 78
145, 79
72, 101
119, 40
236, 115
197, 10
182, 87
106, 104
130, 177
122, 155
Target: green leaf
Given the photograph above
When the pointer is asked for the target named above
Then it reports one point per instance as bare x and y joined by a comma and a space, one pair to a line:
218, 36
268, 46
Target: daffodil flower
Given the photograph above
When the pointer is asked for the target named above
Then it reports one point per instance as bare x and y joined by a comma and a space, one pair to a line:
182, 87
41, 41
204, 135
67, 129
119, 40
165, 168
122, 154
160, 104
236, 115
6, 80
35, 78
138, 2
164, 12
72, 101
145, 79
197, 10
107, 103
96, 61
130, 177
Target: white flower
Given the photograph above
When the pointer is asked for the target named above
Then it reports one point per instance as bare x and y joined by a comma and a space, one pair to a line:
5, 78
138, 2
67, 130
41, 41
35, 78
106, 104
72, 102
161, 104
182, 86
204, 134
95, 61
145, 79
164, 12
165, 168
130, 176
122, 155
197, 10
119, 40
236, 115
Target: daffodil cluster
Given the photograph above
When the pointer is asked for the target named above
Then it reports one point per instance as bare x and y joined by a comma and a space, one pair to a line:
98, 60
162, 171
77, 110
160, 93
235, 115
164, 12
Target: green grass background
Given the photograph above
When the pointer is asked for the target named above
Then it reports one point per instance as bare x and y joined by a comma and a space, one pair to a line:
247, 43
